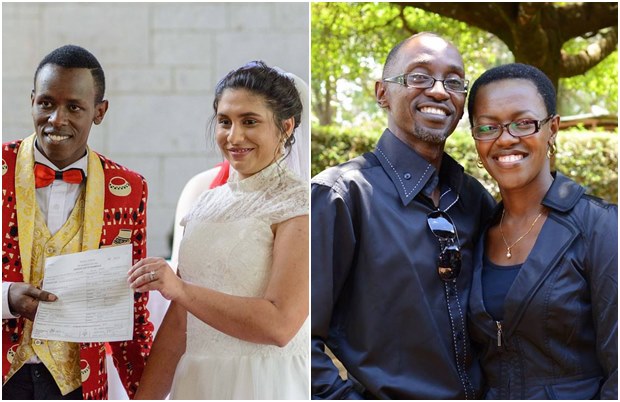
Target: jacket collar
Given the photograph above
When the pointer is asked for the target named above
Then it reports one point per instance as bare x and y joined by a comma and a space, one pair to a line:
409, 172
563, 194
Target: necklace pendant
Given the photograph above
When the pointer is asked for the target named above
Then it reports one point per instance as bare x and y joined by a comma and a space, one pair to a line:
508, 253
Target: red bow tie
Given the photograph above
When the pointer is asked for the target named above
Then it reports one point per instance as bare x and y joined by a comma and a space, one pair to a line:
45, 175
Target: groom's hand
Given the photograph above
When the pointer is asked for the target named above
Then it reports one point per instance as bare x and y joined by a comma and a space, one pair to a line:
24, 299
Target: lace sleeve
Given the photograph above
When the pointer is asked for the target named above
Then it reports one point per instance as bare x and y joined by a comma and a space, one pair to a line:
293, 202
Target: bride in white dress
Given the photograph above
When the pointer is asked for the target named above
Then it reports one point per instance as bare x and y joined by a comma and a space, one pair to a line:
237, 324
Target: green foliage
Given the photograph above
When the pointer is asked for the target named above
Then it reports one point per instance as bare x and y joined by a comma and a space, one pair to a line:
346, 40
590, 158
350, 42
578, 94
334, 145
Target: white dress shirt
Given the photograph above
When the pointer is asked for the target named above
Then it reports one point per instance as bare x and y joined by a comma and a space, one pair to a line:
56, 202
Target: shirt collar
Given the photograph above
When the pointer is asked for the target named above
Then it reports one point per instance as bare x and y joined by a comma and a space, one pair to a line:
409, 172
81, 163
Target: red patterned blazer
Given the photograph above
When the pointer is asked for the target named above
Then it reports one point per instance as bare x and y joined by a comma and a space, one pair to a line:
124, 221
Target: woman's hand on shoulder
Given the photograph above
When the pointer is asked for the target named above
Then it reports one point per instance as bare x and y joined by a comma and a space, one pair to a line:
154, 273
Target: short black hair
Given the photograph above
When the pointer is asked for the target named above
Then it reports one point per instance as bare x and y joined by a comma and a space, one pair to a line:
391, 57
515, 71
274, 86
72, 56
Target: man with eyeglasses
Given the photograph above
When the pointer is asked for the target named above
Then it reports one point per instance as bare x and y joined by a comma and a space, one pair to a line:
392, 238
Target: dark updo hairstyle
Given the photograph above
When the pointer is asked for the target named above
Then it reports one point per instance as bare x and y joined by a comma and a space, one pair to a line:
72, 56
277, 89
510, 72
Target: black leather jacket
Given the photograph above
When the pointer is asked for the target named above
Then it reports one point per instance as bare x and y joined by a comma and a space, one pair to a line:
559, 336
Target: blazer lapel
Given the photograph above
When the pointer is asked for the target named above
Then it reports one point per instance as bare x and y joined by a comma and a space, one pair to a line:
554, 238
25, 202
94, 203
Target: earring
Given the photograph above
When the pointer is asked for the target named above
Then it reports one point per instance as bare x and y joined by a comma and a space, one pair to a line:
551, 150
479, 162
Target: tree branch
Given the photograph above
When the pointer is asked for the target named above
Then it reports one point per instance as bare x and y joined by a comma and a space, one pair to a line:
489, 17
586, 59
581, 18
406, 25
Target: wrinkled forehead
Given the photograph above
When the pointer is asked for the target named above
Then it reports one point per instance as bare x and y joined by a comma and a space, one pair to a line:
431, 52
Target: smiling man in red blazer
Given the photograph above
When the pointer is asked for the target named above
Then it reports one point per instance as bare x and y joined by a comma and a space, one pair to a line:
60, 197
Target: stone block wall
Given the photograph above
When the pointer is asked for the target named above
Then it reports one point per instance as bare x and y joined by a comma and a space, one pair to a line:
162, 61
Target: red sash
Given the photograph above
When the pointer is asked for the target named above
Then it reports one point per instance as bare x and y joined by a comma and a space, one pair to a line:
222, 175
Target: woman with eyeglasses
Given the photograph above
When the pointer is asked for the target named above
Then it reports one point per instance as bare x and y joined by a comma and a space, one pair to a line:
543, 304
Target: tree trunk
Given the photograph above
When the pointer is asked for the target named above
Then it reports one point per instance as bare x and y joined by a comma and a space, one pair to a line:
325, 114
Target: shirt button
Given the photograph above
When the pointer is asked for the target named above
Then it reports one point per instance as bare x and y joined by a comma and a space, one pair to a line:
37, 373
459, 336
407, 176
38, 342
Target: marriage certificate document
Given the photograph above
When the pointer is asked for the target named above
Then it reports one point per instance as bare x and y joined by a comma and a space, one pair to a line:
95, 302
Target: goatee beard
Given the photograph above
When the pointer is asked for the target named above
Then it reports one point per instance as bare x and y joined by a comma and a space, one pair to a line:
432, 136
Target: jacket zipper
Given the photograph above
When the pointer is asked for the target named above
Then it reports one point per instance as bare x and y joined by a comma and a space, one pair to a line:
499, 333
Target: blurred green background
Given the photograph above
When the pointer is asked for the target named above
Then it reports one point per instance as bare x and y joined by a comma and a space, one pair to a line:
575, 44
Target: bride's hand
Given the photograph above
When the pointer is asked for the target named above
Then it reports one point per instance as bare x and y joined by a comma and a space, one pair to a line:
154, 273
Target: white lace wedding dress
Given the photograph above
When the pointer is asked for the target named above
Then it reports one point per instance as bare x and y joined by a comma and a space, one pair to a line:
227, 246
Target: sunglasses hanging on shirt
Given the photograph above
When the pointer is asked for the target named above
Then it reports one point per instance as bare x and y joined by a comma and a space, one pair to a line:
449, 260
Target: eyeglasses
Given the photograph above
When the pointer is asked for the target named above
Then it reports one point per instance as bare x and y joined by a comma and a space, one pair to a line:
519, 128
418, 80
449, 260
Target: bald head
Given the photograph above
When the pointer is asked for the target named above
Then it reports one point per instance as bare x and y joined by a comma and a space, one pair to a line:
430, 38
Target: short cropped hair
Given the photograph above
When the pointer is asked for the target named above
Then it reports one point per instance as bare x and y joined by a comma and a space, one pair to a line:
511, 72
72, 56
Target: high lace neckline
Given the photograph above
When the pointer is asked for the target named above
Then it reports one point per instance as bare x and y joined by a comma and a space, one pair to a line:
258, 180
273, 194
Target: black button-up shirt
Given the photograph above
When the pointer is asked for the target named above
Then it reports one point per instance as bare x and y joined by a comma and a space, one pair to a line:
377, 300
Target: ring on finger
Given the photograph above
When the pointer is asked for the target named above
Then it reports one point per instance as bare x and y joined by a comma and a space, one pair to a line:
152, 276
